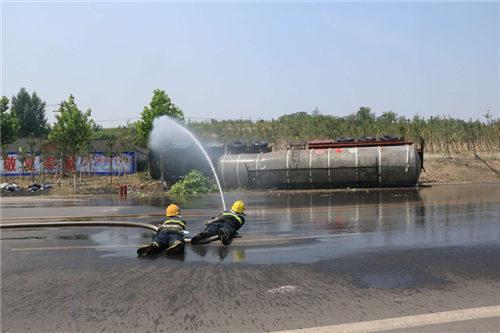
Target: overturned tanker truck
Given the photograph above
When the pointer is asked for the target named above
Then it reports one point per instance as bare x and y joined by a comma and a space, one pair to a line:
344, 162
367, 162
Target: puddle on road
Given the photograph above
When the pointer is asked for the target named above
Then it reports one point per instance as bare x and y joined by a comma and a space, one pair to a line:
300, 251
335, 223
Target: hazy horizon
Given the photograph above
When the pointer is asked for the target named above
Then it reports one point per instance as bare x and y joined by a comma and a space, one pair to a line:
256, 60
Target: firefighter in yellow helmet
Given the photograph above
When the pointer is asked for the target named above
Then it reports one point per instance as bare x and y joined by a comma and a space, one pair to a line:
225, 225
170, 236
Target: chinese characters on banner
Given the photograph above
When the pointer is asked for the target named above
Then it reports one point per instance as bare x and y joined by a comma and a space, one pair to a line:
98, 164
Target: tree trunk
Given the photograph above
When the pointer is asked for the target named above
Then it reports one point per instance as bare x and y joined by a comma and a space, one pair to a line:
4, 157
32, 180
111, 169
42, 171
81, 175
90, 164
57, 170
74, 172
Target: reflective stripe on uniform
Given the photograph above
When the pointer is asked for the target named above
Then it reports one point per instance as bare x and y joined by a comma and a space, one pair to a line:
176, 222
235, 216
172, 227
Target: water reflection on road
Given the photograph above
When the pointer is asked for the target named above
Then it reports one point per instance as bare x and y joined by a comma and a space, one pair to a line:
306, 227
284, 226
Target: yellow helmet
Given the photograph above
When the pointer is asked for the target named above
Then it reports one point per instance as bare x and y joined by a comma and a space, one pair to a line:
238, 207
173, 210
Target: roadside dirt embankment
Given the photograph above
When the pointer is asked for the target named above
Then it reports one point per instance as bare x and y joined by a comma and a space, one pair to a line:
460, 169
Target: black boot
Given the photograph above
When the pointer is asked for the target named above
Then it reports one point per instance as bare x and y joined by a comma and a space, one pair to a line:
199, 237
224, 236
176, 248
152, 248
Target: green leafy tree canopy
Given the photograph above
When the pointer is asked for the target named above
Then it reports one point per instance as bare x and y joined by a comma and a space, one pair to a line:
30, 112
160, 105
73, 128
8, 123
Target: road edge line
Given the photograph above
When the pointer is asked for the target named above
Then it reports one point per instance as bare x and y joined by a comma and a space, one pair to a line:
406, 321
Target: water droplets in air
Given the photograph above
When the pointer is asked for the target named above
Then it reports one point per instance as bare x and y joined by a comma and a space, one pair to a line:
168, 131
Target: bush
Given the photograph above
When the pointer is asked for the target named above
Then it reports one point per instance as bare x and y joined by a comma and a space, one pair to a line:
193, 183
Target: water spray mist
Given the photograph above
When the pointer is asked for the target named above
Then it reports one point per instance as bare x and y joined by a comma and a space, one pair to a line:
164, 132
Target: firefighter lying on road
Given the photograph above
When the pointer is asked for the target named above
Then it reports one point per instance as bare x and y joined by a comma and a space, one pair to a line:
225, 225
170, 235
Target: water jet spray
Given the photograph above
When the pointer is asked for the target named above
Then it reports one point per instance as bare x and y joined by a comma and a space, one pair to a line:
166, 130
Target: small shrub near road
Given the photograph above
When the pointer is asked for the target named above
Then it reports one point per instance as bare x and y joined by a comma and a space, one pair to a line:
193, 183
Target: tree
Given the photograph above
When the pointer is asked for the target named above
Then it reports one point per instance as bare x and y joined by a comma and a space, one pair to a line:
30, 166
364, 115
160, 105
8, 123
388, 117
30, 113
72, 129
4, 104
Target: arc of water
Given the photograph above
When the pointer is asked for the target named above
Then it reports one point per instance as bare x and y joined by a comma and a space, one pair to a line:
191, 135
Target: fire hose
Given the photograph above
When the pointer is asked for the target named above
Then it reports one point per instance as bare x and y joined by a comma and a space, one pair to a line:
93, 224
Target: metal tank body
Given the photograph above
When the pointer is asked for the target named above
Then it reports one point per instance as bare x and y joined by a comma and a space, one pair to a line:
378, 166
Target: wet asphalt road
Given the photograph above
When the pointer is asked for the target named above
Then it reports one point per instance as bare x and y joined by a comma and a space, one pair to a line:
305, 260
